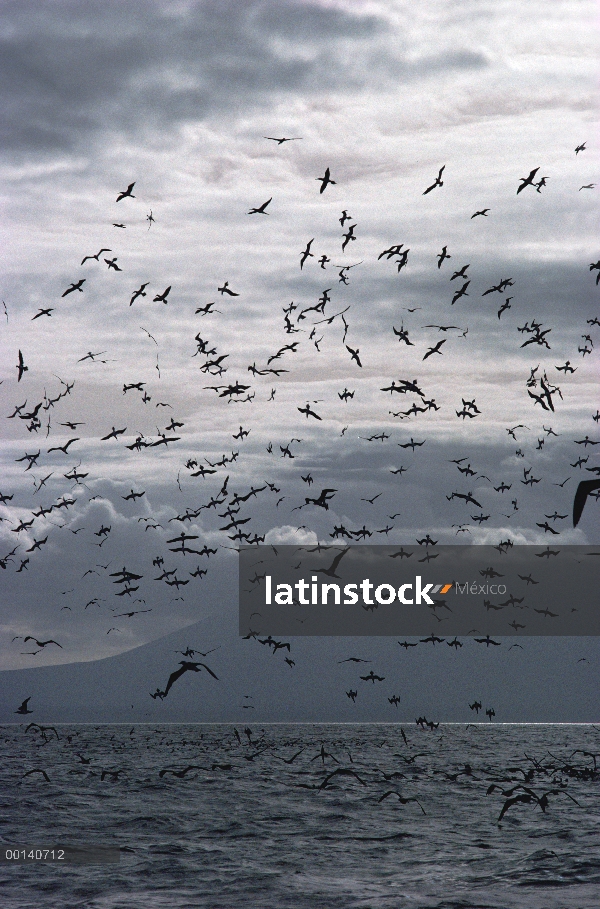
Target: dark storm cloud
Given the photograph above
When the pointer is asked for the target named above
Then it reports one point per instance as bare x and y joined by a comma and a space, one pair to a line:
71, 72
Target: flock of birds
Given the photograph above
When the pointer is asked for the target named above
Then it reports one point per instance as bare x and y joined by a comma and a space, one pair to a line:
66, 486
376, 770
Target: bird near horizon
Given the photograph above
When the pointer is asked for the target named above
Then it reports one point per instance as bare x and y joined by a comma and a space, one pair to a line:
185, 666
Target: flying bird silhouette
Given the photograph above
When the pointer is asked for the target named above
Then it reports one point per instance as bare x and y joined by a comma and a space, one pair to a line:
437, 182
127, 193
284, 139
325, 180
186, 666
261, 208
21, 368
527, 181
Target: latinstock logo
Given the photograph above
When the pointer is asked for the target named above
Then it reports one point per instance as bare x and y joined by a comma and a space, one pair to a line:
385, 594
316, 589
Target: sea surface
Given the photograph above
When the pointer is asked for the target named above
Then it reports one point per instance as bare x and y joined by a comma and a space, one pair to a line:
253, 826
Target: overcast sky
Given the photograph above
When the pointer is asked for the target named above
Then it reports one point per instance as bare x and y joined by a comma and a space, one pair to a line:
178, 99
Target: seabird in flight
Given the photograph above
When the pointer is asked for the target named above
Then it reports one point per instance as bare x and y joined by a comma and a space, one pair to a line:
21, 367
126, 193
186, 666
261, 208
527, 181
284, 139
97, 256
325, 180
438, 181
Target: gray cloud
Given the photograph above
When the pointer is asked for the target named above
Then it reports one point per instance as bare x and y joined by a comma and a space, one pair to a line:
71, 73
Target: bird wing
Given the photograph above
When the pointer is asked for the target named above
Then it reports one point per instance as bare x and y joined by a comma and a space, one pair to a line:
583, 490
173, 678
341, 771
340, 555
523, 797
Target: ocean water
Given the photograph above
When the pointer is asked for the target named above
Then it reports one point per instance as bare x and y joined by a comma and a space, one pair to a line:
255, 826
